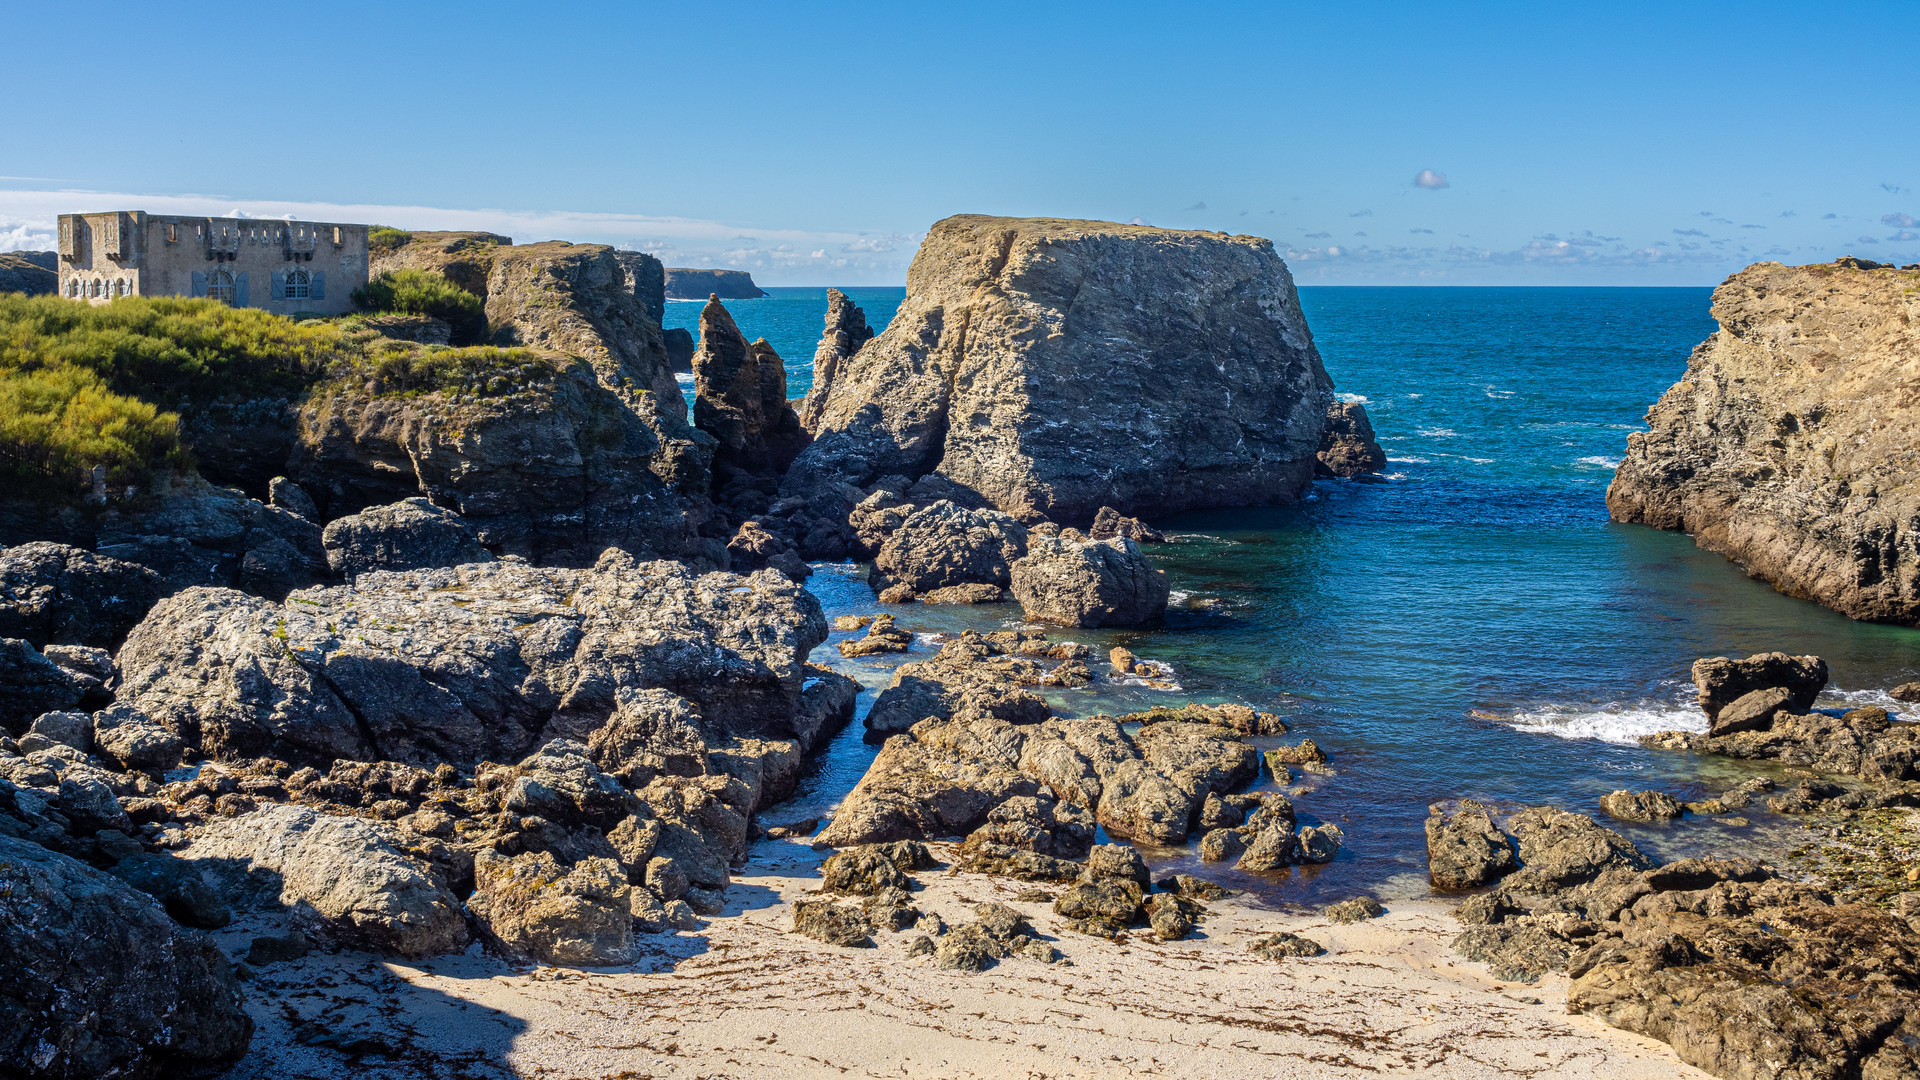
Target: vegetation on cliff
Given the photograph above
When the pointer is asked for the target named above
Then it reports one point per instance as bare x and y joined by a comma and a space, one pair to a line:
409, 291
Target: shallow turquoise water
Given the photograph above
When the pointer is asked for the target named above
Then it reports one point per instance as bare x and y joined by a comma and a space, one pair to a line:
1483, 576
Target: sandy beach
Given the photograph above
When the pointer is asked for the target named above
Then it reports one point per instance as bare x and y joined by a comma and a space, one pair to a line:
745, 998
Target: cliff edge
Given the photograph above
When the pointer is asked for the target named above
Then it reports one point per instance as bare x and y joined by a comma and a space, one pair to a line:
685, 284
1792, 444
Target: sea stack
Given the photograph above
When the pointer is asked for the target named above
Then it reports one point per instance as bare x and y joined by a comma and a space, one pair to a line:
1789, 444
1053, 367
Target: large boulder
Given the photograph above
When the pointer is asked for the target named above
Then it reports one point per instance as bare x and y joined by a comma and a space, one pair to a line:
1722, 680
1100, 583
31, 684
461, 664
1787, 446
740, 398
945, 544
347, 878
971, 676
412, 534
100, 982
1347, 444
198, 534
1465, 849
53, 594
1056, 366
532, 906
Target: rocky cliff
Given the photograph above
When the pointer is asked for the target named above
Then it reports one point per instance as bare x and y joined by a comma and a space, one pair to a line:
1055, 367
1789, 445
741, 399
30, 272
686, 284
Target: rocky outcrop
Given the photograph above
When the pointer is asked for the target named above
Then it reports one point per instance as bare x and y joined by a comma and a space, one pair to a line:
31, 684
974, 674
198, 534
350, 880
1054, 367
1465, 850
53, 594
647, 278
1347, 444
1101, 583
1722, 681
554, 460
740, 398
942, 544
100, 982
1786, 445
412, 534
35, 273
846, 332
473, 662
685, 284
680, 349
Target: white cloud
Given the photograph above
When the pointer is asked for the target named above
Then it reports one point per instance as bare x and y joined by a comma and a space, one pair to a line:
783, 255
1899, 221
1427, 178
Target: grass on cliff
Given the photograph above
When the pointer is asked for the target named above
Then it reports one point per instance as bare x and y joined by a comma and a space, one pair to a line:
416, 292
84, 385
383, 239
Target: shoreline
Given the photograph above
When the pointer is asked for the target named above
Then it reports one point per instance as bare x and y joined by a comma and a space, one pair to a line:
1389, 996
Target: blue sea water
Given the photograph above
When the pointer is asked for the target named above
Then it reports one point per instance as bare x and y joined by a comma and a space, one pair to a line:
1472, 626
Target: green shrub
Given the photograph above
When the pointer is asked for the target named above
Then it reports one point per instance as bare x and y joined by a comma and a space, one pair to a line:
382, 239
482, 370
59, 421
416, 292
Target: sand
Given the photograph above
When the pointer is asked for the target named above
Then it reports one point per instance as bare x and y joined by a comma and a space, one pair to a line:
742, 997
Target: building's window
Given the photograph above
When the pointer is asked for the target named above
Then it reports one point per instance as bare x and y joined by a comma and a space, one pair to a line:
337, 237
93, 288
220, 286
73, 287
120, 287
299, 285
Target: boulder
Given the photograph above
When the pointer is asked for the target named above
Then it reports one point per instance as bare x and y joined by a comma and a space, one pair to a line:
1283, 945
946, 544
834, 924
1055, 367
1347, 445
1560, 849
1641, 806
100, 982
412, 534
1109, 524
351, 877
1786, 445
1358, 909
971, 676
531, 906
1465, 850
291, 497
53, 594
1102, 583
31, 684
461, 664
1722, 681
198, 534
1754, 711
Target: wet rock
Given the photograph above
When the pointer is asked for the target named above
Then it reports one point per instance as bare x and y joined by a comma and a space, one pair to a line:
1753, 711
532, 906
1347, 444
971, 676
1320, 843
1861, 742
1465, 850
883, 636
100, 982
1109, 524
461, 664
1102, 583
944, 544
352, 877
835, 924
1560, 849
1233, 717
965, 594
1041, 825
1306, 753
1905, 692
412, 534
1271, 848
1641, 806
53, 594
1723, 681
1048, 410
1219, 845
1358, 909
1282, 945
1115, 862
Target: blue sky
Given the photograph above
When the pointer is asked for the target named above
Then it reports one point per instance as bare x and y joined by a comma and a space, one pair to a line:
814, 144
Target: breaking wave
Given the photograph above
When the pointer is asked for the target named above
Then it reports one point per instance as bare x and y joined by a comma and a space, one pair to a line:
1612, 722
1599, 460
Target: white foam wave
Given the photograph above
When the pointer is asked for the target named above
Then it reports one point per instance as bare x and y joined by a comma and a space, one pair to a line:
683, 378
1438, 432
1393, 476
1416, 395
1355, 399
1612, 722
1178, 596
1498, 394
1408, 460
1478, 460
1599, 460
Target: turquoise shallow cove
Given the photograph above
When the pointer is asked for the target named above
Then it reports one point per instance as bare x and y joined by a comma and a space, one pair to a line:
1472, 626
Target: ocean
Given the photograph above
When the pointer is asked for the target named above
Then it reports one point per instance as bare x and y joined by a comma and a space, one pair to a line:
1473, 624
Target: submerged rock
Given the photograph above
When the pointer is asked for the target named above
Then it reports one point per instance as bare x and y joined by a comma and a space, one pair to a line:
1786, 446
1641, 806
1184, 377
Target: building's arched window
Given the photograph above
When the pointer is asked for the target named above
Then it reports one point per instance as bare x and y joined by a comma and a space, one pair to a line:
120, 287
299, 285
73, 288
220, 286
93, 288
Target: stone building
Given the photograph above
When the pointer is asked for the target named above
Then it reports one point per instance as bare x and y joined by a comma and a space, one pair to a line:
280, 266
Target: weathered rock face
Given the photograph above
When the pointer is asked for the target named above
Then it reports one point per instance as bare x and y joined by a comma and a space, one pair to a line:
1102, 583
1722, 680
689, 284
1347, 444
53, 594
647, 278
1786, 445
1058, 366
412, 534
594, 450
471, 662
740, 390
198, 534
943, 544
100, 982
1464, 849
350, 876
846, 332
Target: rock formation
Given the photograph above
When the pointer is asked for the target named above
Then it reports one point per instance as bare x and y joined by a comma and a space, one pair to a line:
1101, 583
1054, 367
685, 284
35, 273
198, 534
412, 534
1347, 445
740, 390
1786, 446
647, 278
61, 595
942, 544
846, 333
